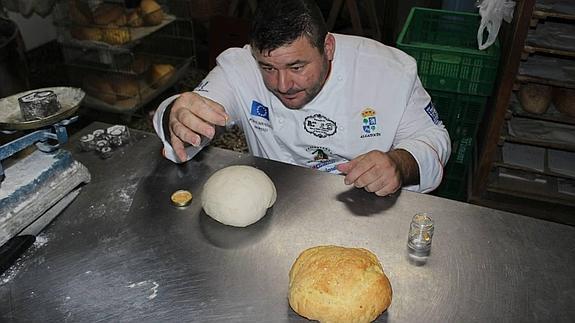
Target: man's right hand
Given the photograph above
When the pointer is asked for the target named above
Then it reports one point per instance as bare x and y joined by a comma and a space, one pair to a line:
193, 115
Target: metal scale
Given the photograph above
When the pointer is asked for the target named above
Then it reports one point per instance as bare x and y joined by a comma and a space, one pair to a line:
36, 187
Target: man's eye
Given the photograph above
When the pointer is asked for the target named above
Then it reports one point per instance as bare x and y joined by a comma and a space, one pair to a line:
297, 68
267, 68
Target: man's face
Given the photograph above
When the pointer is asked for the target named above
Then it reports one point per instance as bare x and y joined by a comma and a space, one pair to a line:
295, 73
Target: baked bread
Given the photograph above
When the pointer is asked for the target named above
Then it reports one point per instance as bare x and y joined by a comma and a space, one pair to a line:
134, 19
100, 88
86, 33
152, 13
160, 74
107, 14
564, 101
535, 98
338, 284
125, 88
115, 35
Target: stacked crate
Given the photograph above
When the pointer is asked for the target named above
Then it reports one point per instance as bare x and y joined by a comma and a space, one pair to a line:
458, 76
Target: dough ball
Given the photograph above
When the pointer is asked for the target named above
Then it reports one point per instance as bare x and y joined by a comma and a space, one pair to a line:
338, 284
238, 195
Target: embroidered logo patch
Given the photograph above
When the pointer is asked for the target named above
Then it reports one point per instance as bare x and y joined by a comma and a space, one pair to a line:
369, 123
259, 110
323, 159
432, 113
319, 126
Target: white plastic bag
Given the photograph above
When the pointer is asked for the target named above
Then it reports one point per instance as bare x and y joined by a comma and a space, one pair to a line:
492, 12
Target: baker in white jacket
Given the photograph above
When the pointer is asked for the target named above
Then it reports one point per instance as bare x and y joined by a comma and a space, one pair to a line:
341, 104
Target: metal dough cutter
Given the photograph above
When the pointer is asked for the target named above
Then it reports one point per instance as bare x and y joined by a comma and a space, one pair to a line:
36, 187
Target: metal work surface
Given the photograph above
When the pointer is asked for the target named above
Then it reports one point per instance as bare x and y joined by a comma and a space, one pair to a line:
122, 252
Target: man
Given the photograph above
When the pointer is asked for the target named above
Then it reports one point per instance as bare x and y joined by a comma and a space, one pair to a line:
342, 104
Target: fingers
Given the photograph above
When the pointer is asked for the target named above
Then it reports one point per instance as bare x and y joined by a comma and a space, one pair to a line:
375, 172
193, 116
179, 148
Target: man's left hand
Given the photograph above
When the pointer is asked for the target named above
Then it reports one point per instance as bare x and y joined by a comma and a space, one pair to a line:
379, 172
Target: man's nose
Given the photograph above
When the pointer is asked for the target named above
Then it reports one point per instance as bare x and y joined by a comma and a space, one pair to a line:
284, 82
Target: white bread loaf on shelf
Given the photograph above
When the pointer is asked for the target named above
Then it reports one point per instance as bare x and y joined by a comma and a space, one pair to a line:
535, 98
338, 284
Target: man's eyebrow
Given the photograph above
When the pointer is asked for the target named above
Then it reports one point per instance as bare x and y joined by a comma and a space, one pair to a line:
294, 63
264, 64
298, 62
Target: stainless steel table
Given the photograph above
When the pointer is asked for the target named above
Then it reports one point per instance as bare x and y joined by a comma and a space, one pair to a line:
122, 252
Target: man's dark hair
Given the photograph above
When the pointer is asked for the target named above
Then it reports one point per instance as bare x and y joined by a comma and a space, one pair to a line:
278, 23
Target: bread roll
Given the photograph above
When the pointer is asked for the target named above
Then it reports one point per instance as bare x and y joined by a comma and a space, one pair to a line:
107, 14
535, 98
564, 100
125, 88
115, 35
160, 74
338, 284
152, 13
134, 19
86, 33
100, 88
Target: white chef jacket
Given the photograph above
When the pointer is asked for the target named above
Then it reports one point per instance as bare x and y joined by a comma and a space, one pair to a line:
372, 100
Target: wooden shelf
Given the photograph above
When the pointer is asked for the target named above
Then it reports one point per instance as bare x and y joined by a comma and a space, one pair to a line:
532, 191
550, 9
530, 170
535, 49
539, 143
557, 118
543, 14
540, 80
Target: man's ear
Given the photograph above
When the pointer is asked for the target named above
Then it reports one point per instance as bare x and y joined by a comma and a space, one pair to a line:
329, 46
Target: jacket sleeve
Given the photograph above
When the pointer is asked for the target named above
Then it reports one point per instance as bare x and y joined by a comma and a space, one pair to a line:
215, 87
424, 136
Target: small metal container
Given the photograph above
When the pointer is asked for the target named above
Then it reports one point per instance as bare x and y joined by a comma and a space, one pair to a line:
181, 198
88, 142
420, 234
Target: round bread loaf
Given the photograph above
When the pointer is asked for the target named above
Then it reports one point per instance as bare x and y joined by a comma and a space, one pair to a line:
535, 98
100, 88
338, 284
125, 88
564, 100
238, 195
107, 14
160, 74
152, 13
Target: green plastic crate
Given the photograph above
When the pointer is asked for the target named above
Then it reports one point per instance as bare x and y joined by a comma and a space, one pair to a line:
444, 44
461, 114
454, 183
